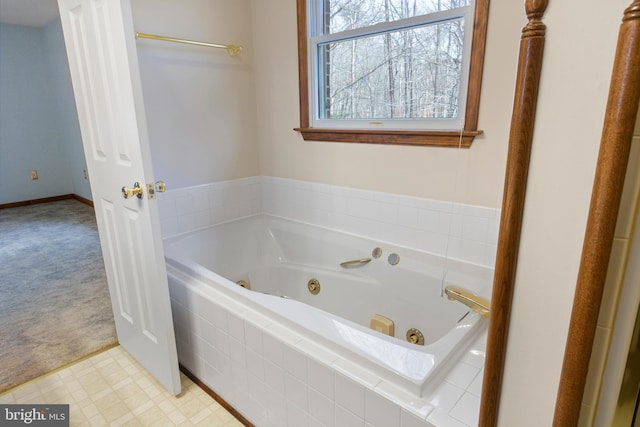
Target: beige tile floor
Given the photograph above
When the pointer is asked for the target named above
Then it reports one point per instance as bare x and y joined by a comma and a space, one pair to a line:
112, 389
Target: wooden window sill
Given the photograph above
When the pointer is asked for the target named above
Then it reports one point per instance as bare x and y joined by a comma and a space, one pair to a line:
392, 137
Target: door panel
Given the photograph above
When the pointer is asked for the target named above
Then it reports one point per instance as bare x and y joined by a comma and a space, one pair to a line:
100, 42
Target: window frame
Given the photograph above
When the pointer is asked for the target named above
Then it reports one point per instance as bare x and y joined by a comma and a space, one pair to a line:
443, 138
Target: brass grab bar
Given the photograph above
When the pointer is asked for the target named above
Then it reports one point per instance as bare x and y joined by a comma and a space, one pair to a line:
471, 300
355, 262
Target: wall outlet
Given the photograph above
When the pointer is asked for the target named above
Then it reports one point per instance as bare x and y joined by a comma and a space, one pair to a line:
34, 174
84, 174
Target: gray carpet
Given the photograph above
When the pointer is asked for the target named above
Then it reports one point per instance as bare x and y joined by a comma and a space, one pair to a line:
54, 300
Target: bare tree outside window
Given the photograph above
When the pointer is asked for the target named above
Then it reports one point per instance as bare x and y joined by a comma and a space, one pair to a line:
409, 72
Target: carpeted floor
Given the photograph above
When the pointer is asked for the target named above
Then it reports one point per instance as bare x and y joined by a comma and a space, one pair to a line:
54, 299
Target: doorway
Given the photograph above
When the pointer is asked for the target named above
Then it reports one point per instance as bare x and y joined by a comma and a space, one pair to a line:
55, 306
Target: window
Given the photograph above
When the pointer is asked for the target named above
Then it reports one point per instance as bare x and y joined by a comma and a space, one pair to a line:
391, 71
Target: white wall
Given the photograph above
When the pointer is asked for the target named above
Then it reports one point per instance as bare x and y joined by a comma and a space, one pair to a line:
200, 103
37, 115
67, 128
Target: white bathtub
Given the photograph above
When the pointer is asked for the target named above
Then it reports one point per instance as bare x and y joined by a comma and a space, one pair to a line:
277, 257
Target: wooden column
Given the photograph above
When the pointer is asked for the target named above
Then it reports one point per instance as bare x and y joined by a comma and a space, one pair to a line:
520, 141
617, 132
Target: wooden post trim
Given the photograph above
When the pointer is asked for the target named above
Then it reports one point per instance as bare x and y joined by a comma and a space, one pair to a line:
520, 142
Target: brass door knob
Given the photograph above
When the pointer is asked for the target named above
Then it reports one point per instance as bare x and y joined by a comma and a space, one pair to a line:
128, 192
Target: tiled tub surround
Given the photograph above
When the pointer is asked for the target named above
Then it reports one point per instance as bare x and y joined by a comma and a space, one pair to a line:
276, 375
458, 231
274, 372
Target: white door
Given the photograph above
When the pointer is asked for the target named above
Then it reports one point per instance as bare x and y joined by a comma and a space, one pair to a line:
100, 42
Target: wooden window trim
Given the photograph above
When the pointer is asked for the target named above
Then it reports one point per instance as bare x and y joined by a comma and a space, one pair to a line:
462, 138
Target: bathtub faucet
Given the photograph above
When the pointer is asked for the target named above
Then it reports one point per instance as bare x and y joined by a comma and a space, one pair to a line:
471, 300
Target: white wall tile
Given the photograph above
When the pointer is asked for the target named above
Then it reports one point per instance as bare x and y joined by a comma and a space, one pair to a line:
475, 228
320, 378
379, 411
169, 226
295, 363
401, 397
276, 407
409, 420
455, 226
429, 220
166, 207
296, 391
198, 364
474, 356
218, 317
296, 416
273, 350
255, 364
353, 370
462, 375
200, 198
442, 418
476, 385
237, 351
317, 352
490, 255
493, 229
368, 213
321, 407
222, 341
256, 387
467, 409
238, 380
472, 251
184, 202
274, 376
236, 327
477, 211
210, 372
346, 418
350, 394
315, 423
446, 396
253, 337
408, 216
256, 410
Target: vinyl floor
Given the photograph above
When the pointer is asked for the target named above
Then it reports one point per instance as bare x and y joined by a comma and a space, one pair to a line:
111, 389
